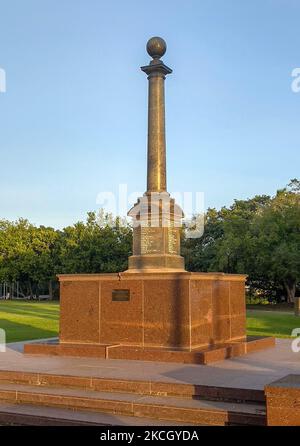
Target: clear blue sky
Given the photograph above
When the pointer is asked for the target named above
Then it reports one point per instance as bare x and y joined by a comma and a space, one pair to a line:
73, 119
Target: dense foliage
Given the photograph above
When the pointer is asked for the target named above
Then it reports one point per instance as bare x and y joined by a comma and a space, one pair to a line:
259, 237
32, 256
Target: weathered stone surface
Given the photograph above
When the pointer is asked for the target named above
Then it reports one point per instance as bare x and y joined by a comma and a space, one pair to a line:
283, 401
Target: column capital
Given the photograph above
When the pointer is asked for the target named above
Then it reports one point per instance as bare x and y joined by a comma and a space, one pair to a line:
156, 68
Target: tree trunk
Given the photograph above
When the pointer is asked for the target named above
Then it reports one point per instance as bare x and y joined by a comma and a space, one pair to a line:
290, 287
30, 290
50, 290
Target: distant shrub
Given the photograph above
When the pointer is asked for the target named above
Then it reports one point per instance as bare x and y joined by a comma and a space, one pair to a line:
256, 300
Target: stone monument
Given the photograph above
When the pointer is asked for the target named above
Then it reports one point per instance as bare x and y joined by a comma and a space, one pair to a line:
157, 219
155, 310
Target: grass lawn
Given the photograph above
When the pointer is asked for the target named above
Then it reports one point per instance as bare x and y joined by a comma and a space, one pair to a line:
271, 323
35, 320
28, 320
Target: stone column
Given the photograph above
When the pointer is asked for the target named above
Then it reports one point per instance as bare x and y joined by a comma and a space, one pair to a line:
156, 71
157, 218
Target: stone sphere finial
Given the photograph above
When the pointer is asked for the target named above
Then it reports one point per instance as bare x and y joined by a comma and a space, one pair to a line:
156, 47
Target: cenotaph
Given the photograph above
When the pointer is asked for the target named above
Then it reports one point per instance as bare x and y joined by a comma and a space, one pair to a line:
156, 310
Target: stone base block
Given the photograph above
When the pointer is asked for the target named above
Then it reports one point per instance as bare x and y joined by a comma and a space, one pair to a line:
283, 401
182, 317
196, 356
156, 262
173, 310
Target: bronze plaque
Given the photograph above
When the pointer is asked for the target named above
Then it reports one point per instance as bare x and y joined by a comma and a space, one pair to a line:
120, 295
151, 240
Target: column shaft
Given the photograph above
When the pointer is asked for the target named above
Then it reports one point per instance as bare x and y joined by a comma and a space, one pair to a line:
156, 167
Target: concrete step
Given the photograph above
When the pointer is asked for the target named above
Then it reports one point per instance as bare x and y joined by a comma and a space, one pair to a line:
182, 410
151, 388
29, 415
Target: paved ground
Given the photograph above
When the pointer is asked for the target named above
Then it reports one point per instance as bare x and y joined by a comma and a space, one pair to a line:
254, 310
252, 371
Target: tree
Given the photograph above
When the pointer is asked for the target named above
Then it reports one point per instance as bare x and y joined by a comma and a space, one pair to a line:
258, 237
225, 244
200, 252
34, 255
235, 250
102, 244
26, 254
277, 245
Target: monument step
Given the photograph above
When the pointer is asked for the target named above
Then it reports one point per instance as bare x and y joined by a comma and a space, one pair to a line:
202, 356
150, 388
143, 406
29, 415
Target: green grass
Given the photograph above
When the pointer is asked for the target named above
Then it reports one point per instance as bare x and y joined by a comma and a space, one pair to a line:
36, 320
271, 323
29, 320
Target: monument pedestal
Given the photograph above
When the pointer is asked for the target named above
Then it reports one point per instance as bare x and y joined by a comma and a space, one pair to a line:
177, 317
167, 310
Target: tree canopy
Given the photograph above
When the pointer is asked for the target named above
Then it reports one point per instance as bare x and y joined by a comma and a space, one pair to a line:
259, 237
34, 255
